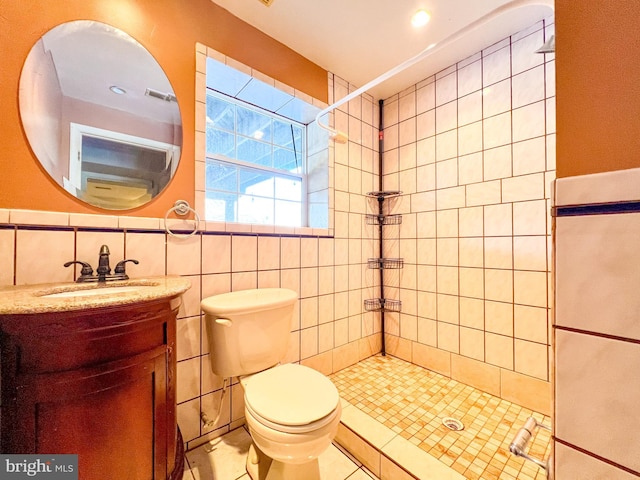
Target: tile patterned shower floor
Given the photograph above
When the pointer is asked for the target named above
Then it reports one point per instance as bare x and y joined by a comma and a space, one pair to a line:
412, 401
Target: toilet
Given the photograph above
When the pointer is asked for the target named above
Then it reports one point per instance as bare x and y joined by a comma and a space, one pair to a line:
292, 411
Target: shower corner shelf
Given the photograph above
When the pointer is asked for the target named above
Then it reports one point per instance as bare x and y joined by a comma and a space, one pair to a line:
384, 194
382, 304
373, 219
386, 263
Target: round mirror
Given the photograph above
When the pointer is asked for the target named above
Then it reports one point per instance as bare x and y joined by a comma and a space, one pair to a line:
100, 115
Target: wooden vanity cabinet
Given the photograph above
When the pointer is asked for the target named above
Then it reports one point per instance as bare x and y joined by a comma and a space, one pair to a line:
99, 383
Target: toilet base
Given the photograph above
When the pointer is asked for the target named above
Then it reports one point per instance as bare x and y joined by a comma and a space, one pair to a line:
262, 467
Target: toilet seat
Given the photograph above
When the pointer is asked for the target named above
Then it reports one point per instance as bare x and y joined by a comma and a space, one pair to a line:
291, 398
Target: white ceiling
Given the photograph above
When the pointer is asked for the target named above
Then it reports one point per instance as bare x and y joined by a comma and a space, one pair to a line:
359, 40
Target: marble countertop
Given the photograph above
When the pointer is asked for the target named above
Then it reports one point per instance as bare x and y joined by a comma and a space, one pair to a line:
32, 299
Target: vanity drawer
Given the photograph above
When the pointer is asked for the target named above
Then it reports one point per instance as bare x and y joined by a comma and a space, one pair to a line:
65, 341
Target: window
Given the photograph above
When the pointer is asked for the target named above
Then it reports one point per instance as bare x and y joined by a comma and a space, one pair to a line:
266, 161
255, 165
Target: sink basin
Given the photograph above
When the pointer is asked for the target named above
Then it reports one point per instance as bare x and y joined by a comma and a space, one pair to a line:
87, 292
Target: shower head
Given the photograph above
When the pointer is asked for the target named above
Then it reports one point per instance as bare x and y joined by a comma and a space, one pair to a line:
549, 46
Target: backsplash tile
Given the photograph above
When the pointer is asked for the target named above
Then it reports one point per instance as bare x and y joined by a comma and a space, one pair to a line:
7, 261
32, 246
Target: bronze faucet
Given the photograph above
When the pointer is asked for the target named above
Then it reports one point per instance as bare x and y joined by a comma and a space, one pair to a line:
104, 269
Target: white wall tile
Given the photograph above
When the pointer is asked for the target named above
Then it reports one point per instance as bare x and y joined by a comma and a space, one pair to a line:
58, 247
497, 163
528, 86
426, 98
498, 285
497, 130
498, 252
530, 218
471, 222
496, 66
525, 187
597, 273
529, 156
498, 317
530, 288
485, 193
453, 197
471, 252
470, 168
570, 463
616, 186
7, 249
150, 250
446, 116
470, 78
523, 56
446, 145
531, 359
447, 173
498, 220
496, 98
595, 374
530, 253
470, 108
531, 323
470, 138
446, 88
183, 255
529, 121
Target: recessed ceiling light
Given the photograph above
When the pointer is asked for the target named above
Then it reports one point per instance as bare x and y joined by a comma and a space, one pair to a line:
420, 18
117, 90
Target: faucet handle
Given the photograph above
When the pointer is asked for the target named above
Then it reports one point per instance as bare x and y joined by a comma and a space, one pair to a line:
86, 268
119, 270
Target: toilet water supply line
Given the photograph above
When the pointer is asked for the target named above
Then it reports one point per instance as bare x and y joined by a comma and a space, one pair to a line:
205, 418
342, 137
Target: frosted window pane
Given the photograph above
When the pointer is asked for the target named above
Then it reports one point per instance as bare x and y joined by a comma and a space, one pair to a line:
254, 152
284, 159
220, 114
256, 183
219, 142
220, 176
221, 207
288, 189
253, 124
255, 210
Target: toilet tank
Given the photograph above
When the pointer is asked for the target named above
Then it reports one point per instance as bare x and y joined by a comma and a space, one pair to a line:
248, 330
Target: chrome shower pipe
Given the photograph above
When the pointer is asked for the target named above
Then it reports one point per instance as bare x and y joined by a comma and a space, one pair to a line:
430, 50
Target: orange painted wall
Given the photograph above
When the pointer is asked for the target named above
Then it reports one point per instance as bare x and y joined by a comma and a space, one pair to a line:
169, 29
597, 86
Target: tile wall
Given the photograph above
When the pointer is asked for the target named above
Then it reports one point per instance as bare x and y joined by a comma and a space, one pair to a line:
473, 151
597, 333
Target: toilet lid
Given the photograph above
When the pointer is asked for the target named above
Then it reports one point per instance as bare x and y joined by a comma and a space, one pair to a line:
291, 395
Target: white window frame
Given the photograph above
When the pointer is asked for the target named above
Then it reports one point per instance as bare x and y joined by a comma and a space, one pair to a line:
302, 175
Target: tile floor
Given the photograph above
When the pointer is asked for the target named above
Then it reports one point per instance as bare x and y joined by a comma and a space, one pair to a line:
409, 402
224, 459
392, 428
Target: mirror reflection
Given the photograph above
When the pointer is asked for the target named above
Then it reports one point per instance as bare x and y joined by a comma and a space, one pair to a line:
100, 115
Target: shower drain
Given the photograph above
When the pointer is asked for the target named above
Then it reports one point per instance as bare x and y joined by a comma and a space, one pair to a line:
452, 424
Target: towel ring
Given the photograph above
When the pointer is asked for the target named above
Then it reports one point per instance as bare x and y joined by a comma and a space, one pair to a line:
182, 208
